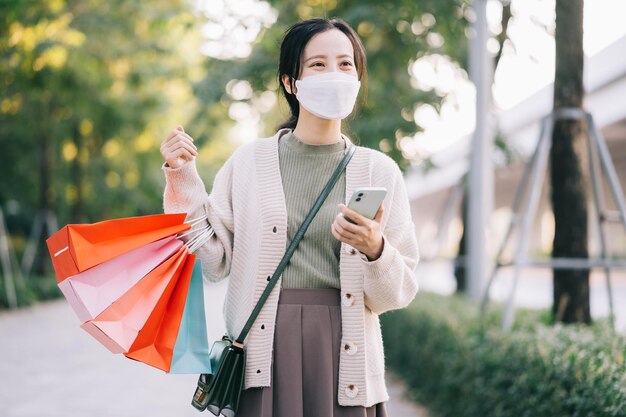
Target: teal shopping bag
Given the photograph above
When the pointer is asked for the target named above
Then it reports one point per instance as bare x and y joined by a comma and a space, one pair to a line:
191, 351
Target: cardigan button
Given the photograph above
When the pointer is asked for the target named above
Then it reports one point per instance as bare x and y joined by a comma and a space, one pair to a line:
347, 300
350, 348
352, 390
352, 251
269, 278
274, 229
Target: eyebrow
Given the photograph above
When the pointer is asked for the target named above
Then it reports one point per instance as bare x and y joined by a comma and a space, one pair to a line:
324, 56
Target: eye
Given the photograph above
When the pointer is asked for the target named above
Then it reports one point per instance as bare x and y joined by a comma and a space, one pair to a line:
346, 63
317, 64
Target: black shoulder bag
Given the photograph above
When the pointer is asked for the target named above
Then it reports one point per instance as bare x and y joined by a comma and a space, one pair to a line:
220, 391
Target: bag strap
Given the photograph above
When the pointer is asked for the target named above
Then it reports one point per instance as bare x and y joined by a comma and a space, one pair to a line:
294, 243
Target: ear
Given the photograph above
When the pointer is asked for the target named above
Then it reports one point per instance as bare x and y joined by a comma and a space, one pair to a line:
286, 82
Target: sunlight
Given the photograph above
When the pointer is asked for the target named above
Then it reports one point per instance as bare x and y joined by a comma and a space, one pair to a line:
233, 26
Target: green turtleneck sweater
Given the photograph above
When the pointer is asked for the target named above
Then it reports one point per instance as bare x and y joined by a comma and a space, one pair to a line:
305, 169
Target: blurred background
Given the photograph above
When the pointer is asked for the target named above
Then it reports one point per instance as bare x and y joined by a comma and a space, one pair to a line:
457, 93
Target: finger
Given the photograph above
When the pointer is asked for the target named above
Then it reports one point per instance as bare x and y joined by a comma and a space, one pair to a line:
338, 235
346, 224
181, 153
356, 217
378, 218
184, 153
347, 234
178, 140
334, 233
181, 141
174, 133
185, 136
177, 145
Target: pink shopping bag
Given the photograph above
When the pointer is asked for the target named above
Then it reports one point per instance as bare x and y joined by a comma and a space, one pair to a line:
90, 292
117, 326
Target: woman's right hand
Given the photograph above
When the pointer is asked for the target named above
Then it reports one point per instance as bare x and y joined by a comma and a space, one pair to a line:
178, 148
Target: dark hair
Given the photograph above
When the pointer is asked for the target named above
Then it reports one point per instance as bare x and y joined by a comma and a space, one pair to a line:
292, 48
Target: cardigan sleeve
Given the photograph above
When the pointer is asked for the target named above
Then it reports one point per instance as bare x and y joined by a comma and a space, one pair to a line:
390, 282
185, 193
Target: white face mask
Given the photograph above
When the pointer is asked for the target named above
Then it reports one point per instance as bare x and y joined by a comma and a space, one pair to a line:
330, 95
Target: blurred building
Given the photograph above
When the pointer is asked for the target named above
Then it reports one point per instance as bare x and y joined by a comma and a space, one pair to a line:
435, 197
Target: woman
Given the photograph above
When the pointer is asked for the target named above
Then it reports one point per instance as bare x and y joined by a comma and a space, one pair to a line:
316, 347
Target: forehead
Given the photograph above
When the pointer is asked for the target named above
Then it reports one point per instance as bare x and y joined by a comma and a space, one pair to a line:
331, 43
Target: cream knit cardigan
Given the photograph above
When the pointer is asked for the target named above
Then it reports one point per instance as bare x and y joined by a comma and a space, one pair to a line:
246, 210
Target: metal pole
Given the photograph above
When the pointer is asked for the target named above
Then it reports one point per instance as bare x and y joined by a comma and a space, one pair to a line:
593, 142
601, 218
609, 169
536, 185
480, 194
516, 214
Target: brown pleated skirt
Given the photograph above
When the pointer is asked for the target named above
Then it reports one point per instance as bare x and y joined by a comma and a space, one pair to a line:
305, 366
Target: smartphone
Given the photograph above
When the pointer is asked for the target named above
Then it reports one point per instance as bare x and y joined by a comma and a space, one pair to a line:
366, 201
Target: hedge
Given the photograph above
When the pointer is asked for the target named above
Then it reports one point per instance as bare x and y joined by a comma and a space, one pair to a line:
458, 365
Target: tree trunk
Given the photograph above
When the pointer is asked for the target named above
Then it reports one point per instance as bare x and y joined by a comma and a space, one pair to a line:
41, 263
460, 267
569, 202
77, 173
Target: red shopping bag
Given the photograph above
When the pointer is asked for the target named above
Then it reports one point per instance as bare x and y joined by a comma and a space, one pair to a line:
118, 325
155, 343
77, 247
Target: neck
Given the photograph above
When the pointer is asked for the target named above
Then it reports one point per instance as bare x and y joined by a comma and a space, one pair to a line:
314, 130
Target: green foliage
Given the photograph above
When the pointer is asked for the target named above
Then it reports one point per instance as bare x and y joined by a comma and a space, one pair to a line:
90, 88
88, 91
395, 35
460, 366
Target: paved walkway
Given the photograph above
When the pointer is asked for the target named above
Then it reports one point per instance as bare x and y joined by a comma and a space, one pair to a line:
49, 367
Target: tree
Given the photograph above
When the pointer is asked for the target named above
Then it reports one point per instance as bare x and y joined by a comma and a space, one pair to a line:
569, 201
89, 89
395, 35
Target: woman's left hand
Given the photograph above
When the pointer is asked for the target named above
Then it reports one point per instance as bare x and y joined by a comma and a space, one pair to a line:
364, 234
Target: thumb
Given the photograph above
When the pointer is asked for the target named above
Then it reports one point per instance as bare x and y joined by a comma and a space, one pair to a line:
379, 214
179, 127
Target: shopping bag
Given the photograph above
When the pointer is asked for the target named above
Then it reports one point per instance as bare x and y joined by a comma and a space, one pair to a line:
119, 324
90, 292
77, 247
154, 345
191, 352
